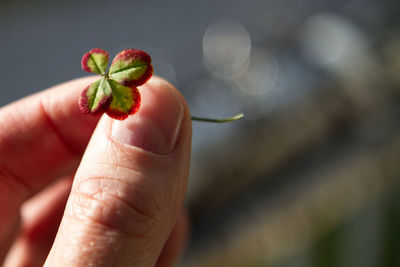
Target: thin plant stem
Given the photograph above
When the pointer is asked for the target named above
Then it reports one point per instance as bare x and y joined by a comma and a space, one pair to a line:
233, 118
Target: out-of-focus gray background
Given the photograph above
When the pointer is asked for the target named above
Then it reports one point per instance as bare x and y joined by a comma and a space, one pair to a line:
311, 176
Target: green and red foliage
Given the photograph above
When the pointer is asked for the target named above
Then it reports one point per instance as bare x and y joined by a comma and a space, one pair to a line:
115, 93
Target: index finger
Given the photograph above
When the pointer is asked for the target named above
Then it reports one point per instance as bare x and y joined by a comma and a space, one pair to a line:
42, 137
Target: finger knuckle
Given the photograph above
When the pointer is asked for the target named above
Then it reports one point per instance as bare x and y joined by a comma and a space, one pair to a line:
126, 206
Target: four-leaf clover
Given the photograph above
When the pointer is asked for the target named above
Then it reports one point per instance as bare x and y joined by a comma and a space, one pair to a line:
115, 93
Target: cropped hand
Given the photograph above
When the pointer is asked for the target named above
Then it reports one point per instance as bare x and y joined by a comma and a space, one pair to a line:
128, 183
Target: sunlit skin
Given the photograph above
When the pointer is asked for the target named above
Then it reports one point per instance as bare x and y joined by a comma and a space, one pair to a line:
44, 141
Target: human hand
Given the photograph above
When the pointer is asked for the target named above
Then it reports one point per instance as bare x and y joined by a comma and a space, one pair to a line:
126, 198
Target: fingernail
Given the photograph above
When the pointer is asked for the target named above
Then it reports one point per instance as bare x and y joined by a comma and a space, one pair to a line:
156, 126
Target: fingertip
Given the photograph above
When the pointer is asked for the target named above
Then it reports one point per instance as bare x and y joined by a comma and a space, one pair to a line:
155, 127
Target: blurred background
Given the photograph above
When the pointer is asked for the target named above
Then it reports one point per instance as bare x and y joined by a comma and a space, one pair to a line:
310, 176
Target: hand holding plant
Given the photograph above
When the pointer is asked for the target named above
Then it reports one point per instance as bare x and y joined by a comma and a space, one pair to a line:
128, 183
116, 93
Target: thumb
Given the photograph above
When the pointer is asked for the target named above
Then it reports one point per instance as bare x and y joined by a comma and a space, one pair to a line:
130, 185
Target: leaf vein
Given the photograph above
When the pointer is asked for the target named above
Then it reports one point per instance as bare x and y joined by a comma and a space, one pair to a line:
96, 64
128, 68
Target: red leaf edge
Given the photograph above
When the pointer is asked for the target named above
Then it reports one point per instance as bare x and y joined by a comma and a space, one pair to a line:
137, 54
84, 104
86, 57
116, 114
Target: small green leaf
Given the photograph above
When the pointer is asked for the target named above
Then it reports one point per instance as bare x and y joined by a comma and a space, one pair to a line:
131, 68
95, 61
96, 98
125, 102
